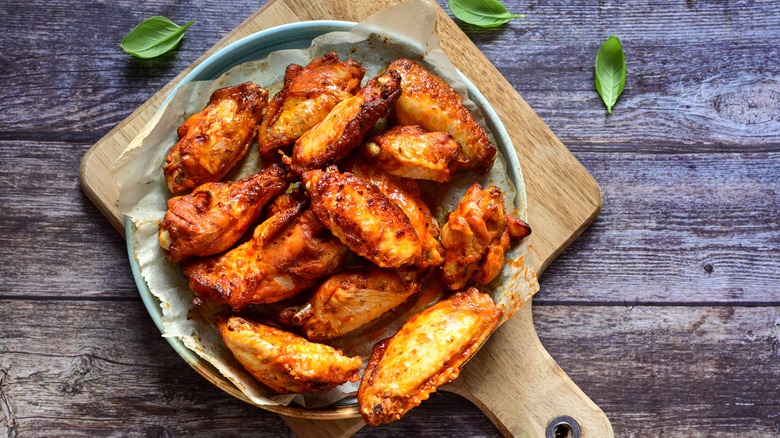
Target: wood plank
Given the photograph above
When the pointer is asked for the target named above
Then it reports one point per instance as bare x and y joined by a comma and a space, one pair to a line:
53, 241
676, 229
652, 242
720, 105
672, 371
101, 368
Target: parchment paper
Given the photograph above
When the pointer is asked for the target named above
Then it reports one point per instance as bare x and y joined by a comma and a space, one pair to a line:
405, 30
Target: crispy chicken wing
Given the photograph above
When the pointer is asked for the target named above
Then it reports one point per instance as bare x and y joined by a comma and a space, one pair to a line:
212, 141
346, 125
308, 95
214, 216
291, 203
412, 152
288, 253
286, 362
362, 217
427, 351
491, 264
476, 237
350, 300
405, 193
428, 101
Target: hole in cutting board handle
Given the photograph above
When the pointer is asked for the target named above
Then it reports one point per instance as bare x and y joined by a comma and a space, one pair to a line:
562, 427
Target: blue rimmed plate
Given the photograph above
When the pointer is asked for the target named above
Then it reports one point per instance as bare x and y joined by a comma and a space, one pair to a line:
258, 46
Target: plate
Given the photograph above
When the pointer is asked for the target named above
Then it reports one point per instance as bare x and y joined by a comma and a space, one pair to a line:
257, 46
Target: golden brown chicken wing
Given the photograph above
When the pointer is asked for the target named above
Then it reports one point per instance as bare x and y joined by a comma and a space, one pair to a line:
362, 217
286, 362
412, 152
405, 193
427, 351
214, 216
428, 101
491, 264
212, 141
288, 253
476, 237
308, 95
349, 300
293, 201
346, 125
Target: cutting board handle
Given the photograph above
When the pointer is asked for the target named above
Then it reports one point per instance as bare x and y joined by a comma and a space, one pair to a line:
518, 385
514, 381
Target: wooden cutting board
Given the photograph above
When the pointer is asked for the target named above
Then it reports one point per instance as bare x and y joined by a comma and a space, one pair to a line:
513, 379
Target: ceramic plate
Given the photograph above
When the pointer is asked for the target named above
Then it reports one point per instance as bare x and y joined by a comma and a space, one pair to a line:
258, 46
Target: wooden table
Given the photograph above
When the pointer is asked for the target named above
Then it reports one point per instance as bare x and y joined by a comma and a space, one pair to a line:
666, 312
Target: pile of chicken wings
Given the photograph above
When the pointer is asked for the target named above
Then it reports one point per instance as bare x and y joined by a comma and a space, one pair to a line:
339, 227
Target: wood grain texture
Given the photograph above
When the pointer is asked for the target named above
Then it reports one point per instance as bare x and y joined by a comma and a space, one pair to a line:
678, 228
698, 125
53, 240
683, 371
69, 374
728, 102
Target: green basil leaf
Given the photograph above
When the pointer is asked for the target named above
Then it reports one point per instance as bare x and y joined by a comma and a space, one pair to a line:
610, 71
482, 13
153, 37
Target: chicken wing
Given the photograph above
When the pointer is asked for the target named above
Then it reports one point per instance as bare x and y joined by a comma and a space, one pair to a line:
289, 203
476, 237
362, 217
308, 95
350, 300
428, 101
412, 152
288, 253
346, 125
491, 264
405, 193
285, 362
213, 217
212, 141
427, 351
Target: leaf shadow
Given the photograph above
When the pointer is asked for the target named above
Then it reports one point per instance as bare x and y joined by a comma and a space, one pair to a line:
485, 35
152, 68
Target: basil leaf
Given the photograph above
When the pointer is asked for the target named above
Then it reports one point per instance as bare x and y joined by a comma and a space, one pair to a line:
153, 37
482, 13
610, 71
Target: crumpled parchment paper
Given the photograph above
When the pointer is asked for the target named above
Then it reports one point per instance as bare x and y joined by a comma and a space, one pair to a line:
405, 30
